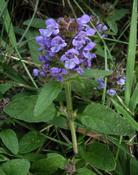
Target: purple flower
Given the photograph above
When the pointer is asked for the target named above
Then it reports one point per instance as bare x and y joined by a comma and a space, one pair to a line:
89, 31
43, 73
80, 40
84, 19
121, 81
101, 27
57, 43
111, 92
79, 70
58, 73
52, 28
101, 83
86, 51
70, 58
35, 72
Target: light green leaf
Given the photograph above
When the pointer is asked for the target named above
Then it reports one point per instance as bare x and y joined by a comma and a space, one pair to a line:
36, 23
99, 156
10, 140
96, 73
47, 94
22, 108
97, 117
131, 54
30, 141
50, 164
16, 167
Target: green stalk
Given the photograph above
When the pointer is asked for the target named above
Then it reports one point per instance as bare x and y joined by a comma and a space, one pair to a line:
70, 116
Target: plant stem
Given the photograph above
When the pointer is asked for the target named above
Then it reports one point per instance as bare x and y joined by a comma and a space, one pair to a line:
70, 116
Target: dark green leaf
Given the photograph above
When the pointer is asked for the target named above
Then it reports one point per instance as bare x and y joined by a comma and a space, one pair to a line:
133, 166
16, 167
113, 25
50, 164
85, 171
99, 156
2, 172
22, 108
100, 118
3, 158
33, 46
10, 140
30, 141
47, 94
5, 87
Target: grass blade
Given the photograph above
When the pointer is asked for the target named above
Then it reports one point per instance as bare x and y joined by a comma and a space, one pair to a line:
131, 54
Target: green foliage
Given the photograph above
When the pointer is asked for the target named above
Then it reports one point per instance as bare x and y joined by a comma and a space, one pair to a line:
115, 16
30, 141
131, 54
49, 165
96, 73
10, 140
39, 134
99, 156
47, 94
97, 117
85, 171
16, 167
22, 108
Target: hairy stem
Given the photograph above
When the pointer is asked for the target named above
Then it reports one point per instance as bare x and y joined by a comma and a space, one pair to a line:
70, 116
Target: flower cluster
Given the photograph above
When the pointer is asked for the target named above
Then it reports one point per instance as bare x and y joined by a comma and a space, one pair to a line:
66, 47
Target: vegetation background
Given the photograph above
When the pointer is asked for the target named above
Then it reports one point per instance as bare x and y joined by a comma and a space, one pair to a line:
106, 126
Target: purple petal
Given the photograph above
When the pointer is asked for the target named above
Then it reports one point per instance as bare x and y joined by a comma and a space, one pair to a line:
84, 19
69, 64
111, 92
35, 72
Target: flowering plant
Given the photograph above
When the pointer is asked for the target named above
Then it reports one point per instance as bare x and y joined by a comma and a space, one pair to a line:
66, 46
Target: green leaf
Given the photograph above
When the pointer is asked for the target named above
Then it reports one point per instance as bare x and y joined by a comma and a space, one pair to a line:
97, 117
22, 108
96, 73
16, 167
36, 23
2, 172
133, 166
33, 46
5, 87
131, 54
85, 171
30, 141
113, 25
7, 22
50, 164
134, 98
3, 158
11, 73
48, 93
126, 115
118, 14
99, 156
10, 140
